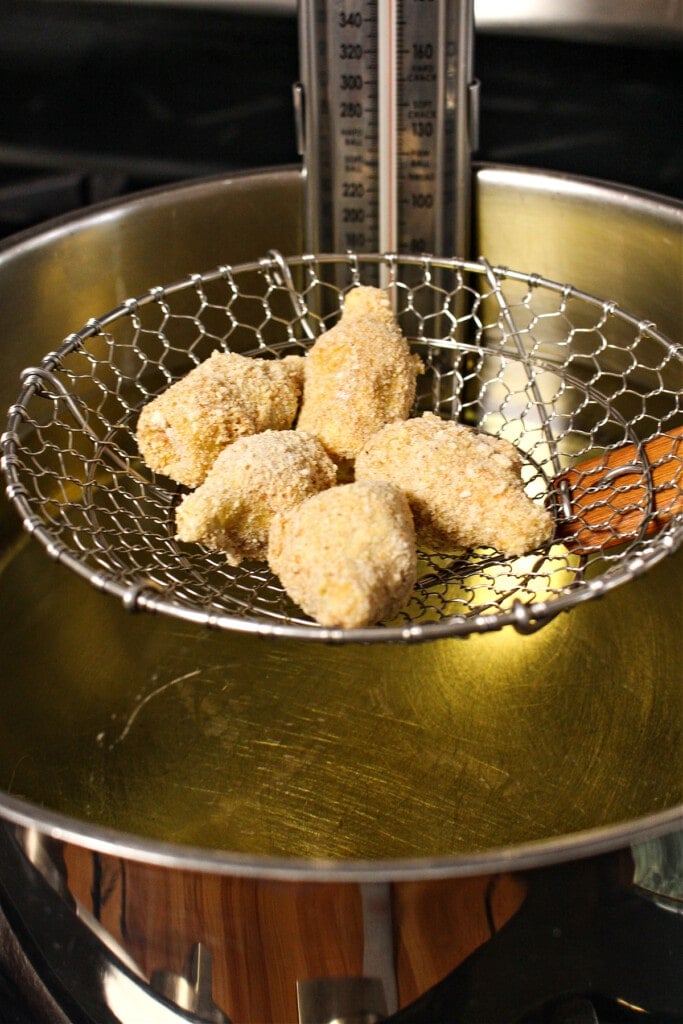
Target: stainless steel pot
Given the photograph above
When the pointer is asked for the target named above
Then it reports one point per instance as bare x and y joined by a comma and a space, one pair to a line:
193, 779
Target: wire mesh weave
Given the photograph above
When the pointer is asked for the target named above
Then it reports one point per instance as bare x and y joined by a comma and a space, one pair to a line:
561, 374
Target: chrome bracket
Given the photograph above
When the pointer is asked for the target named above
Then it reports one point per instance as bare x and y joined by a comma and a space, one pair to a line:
192, 990
341, 1001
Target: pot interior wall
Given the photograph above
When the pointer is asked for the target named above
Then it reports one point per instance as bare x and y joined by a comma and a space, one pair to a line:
222, 742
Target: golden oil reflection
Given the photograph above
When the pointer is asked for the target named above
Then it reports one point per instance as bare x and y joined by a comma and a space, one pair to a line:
451, 587
280, 748
385, 752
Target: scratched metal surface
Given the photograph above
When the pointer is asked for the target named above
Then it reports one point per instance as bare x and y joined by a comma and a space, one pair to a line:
175, 733
288, 749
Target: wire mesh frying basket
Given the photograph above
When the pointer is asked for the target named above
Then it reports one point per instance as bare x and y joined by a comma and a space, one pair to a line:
589, 395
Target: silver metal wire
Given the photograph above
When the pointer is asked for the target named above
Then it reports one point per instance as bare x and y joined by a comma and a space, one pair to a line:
563, 375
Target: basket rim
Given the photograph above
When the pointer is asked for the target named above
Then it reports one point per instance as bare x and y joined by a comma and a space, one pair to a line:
146, 595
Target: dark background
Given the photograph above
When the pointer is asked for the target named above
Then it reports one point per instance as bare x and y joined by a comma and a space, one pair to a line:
103, 99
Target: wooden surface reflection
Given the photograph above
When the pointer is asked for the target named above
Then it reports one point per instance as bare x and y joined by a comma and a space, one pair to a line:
266, 935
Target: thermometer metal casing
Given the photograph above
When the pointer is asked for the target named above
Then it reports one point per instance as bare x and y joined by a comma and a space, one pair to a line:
387, 113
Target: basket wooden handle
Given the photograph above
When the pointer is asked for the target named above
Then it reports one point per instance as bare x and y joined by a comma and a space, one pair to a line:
613, 495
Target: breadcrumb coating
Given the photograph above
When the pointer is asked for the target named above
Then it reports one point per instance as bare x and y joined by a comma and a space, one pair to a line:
358, 376
250, 480
181, 432
465, 489
347, 556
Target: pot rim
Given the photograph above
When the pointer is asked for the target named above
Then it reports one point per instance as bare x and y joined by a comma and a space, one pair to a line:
163, 853
542, 179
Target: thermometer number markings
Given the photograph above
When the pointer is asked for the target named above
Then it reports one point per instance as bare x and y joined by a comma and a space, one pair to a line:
353, 85
387, 143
